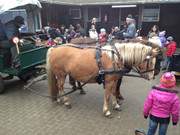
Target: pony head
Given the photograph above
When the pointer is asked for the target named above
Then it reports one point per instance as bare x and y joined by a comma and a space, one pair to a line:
147, 68
139, 56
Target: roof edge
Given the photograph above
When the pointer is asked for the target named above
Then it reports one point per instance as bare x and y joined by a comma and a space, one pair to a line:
106, 3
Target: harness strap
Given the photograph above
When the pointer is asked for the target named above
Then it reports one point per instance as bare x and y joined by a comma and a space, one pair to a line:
117, 52
113, 60
98, 56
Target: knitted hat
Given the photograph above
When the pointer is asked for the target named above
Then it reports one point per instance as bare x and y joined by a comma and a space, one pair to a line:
129, 16
168, 80
102, 30
170, 38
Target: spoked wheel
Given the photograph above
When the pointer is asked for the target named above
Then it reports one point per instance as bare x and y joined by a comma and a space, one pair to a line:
1, 85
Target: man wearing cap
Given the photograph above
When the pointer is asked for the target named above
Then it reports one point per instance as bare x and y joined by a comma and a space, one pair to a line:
131, 28
11, 31
170, 50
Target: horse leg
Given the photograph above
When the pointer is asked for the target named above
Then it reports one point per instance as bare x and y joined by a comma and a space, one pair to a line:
65, 99
82, 91
118, 92
72, 82
115, 103
107, 94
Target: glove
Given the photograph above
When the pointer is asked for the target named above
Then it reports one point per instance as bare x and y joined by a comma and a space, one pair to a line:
174, 123
145, 116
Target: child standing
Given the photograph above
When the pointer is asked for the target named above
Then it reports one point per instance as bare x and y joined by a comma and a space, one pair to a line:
161, 104
170, 50
102, 36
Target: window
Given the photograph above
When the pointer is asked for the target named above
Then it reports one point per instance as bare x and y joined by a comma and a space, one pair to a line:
75, 13
150, 14
37, 23
94, 12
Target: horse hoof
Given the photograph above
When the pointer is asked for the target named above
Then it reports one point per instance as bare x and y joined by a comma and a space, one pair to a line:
108, 114
68, 105
82, 92
59, 101
117, 107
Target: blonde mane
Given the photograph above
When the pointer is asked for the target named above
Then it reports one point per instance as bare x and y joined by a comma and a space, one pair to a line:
132, 54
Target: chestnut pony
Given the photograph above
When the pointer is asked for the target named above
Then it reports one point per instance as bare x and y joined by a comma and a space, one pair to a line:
82, 66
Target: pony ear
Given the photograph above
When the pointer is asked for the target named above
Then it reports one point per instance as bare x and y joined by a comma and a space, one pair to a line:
155, 51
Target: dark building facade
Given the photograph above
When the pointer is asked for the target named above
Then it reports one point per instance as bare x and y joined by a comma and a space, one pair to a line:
113, 13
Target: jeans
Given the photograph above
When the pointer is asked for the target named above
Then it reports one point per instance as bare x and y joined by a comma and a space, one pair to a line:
153, 126
167, 63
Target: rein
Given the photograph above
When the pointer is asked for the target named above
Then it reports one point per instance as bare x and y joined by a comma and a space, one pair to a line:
44, 77
143, 72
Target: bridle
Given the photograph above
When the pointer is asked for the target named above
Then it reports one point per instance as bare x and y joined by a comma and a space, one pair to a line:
135, 68
148, 58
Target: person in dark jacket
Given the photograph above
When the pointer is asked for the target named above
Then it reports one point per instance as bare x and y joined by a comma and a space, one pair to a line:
80, 32
131, 28
11, 31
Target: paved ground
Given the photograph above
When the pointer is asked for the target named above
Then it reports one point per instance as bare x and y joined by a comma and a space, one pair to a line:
23, 113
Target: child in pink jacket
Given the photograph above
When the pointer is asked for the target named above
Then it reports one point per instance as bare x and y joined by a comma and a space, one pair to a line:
161, 104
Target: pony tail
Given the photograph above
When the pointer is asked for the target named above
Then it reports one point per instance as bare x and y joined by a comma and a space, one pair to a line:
52, 83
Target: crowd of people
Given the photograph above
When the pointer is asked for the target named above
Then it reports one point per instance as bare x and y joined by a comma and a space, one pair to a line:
66, 34
129, 31
162, 101
167, 45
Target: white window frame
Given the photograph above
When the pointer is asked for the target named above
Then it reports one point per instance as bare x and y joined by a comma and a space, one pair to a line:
148, 13
37, 22
75, 9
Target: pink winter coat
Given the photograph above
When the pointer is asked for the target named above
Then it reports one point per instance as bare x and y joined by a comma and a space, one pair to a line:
162, 104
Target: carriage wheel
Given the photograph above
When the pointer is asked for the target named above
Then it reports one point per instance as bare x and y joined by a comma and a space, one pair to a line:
24, 78
1, 85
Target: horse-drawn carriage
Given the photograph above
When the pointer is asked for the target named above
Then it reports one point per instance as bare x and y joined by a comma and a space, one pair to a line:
29, 57
87, 65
